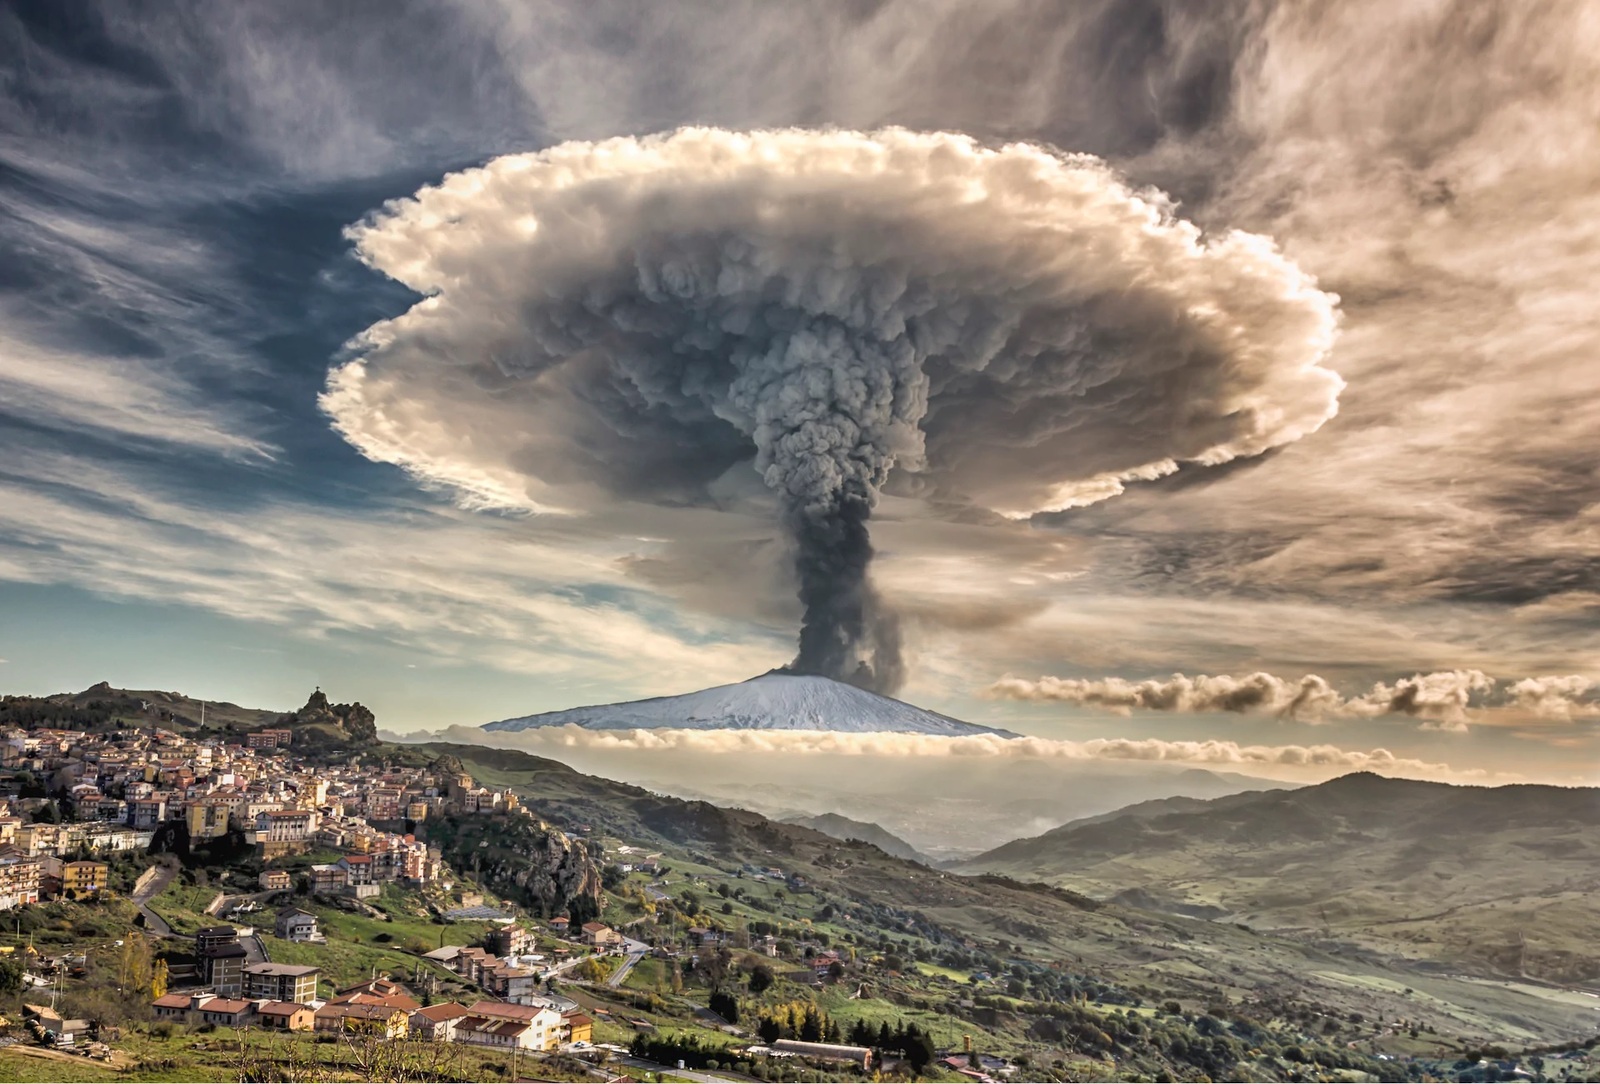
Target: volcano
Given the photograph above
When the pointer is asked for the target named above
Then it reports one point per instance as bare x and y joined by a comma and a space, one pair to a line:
775, 701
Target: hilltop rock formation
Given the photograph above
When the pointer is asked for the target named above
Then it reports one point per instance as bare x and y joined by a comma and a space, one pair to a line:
321, 723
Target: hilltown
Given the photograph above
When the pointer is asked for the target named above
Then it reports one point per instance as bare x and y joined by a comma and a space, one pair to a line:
119, 791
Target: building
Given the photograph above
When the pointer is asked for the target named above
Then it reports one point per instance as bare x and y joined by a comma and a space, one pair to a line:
222, 959
327, 879
858, 1055
227, 1012
510, 940
297, 924
515, 984
378, 992
472, 963
541, 1025
281, 982
268, 739
19, 878
600, 935
437, 1023
576, 1027
79, 880
497, 1033
275, 880
147, 812
208, 818
176, 1006
357, 868
282, 832
209, 938
389, 1020
285, 1016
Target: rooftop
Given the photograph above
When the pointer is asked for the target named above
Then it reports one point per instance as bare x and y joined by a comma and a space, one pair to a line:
295, 970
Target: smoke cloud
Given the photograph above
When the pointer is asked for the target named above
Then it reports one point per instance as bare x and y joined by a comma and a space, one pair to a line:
849, 314
1446, 699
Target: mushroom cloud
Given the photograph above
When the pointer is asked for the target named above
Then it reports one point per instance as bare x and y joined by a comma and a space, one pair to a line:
848, 313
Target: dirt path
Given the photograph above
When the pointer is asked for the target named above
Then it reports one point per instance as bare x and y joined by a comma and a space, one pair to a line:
119, 1060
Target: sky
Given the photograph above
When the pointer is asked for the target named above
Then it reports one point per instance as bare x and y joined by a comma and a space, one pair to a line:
236, 461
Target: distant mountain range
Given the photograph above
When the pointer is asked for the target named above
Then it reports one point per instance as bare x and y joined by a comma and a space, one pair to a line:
775, 701
832, 824
979, 802
1509, 876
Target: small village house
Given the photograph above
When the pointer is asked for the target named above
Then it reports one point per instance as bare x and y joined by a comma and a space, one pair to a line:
298, 925
285, 1016
275, 880
437, 1023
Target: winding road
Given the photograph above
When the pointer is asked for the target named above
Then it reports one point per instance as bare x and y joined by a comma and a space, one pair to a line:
152, 882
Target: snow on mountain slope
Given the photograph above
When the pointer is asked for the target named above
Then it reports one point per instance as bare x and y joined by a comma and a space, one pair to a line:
769, 702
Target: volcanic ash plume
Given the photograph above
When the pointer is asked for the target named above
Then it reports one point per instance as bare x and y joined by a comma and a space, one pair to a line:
640, 320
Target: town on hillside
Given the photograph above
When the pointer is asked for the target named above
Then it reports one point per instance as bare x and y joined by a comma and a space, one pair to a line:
288, 898
242, 864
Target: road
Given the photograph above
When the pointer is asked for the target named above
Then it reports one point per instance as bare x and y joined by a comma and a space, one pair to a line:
636, 950
153, 882
255, 951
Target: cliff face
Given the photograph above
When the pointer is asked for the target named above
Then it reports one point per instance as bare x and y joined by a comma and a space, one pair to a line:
551, 875
525, 859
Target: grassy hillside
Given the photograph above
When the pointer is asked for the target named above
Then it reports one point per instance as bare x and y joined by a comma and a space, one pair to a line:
1498, 880
857, 895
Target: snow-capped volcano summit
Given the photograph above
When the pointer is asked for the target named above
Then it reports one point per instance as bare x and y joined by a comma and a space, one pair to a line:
775, 701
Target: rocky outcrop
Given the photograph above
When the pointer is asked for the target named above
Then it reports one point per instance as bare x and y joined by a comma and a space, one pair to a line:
524, 859
320, 723
557, 871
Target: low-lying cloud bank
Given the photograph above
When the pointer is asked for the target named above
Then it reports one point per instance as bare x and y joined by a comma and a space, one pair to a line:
1299, 761
1446, 700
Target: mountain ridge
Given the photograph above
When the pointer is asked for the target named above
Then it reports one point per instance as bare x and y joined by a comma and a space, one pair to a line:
1505, 876
847, 828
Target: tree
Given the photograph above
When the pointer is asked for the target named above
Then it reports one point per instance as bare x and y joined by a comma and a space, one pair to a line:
48, 814
811, 1026
727, 908
611, 876
725, 1005
919, 1051
11, 976
158, 980
134, 965
582, 909
761, 979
